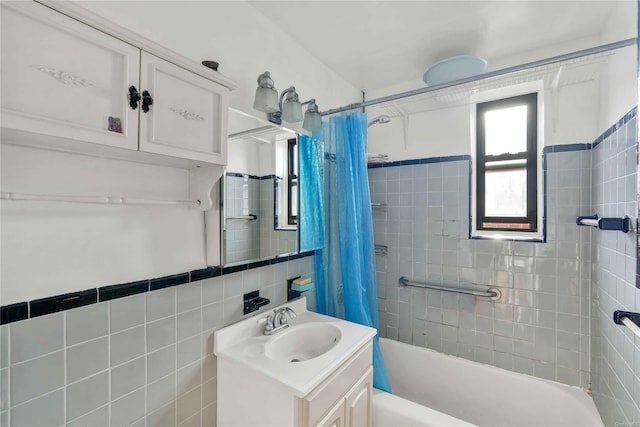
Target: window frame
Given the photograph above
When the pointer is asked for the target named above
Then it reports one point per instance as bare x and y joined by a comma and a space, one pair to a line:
292, 181
532, 93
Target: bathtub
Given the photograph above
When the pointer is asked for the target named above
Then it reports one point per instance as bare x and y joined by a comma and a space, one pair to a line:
433, 389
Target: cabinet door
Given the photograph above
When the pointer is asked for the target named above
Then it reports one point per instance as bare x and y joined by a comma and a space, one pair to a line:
358, 402
188, 117
333, 418
62, 78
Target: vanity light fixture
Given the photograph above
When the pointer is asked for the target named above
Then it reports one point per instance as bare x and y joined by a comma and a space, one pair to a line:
266, 95
288, 107
312, 118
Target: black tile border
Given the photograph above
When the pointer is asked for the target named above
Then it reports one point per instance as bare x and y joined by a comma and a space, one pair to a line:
40, 307
242, 175
566, 147
235, 268
14, 312
107, 293
43, 306
205, 273
409, 162
168, 281
623, 121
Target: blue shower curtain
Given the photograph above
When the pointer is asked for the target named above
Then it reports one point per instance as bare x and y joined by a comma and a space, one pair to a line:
346, 269
311, 204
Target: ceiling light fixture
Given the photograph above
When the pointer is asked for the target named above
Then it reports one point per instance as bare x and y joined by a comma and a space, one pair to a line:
288, 107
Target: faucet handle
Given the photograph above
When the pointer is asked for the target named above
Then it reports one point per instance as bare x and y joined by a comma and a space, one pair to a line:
280, 315
268, 320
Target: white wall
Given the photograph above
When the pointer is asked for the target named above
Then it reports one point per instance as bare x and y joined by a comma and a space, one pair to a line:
576, 113
244, 157
618, 87
50, 249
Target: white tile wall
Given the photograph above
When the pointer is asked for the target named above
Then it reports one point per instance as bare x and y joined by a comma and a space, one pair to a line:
540, 325
616, 353
145, 360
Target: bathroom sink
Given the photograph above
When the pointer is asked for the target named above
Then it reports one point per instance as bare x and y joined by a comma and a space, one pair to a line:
303, 342
299, 357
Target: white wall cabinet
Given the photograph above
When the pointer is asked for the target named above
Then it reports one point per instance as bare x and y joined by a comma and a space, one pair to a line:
66, 85
189, 113
65, 79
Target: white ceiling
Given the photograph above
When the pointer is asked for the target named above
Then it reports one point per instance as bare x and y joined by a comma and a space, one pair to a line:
377, 44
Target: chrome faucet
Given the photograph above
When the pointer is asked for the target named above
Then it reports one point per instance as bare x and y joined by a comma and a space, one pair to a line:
278, 320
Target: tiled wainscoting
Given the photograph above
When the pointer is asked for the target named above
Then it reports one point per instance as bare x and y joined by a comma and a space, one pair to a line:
616, 352
145, 359
540, 324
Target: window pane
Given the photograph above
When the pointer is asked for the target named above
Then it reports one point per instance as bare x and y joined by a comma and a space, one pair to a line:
506, 193
506, 130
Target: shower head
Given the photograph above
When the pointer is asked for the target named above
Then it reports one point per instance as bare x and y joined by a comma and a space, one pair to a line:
380, 119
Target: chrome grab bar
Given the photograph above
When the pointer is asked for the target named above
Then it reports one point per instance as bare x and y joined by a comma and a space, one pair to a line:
489, 293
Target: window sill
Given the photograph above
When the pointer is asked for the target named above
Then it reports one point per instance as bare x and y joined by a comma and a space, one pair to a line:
539, 237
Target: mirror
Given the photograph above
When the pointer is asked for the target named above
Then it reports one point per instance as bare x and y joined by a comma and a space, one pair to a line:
637, 137
259, 191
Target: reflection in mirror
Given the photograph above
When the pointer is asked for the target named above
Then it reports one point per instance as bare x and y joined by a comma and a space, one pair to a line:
637, 139
286, 166
259, 191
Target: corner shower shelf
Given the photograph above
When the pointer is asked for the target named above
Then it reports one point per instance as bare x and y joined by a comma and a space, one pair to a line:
381, 249
375, 158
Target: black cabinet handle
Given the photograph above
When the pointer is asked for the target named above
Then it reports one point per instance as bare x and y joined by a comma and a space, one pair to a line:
147, 100
134, 97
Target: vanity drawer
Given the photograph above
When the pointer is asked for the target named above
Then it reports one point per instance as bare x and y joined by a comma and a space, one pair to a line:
324, 397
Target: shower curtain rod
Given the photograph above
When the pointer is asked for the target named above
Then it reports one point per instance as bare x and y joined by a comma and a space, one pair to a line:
522, 67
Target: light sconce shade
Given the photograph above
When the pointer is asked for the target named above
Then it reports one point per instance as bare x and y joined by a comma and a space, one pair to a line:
291, 107
312, 119
287, 107
266, 95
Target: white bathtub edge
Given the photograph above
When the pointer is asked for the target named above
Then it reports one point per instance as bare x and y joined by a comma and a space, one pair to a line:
394, 411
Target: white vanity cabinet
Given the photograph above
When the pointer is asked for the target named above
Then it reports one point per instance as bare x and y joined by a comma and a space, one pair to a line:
344, 399
69, 86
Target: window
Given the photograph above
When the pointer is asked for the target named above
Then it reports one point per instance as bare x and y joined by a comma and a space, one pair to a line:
507, 175
292, 182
